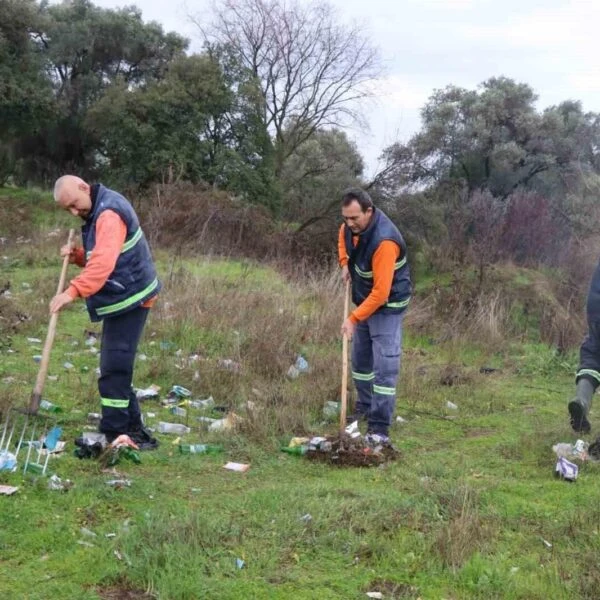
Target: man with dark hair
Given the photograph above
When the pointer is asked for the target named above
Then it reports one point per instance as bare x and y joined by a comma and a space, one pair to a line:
588, 375
119, 284
372, 254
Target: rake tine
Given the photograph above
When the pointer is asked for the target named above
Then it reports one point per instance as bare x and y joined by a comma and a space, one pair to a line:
25, 423
29, 449
7, 446
4, 429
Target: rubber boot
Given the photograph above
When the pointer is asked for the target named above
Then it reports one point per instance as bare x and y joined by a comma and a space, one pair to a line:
580, 406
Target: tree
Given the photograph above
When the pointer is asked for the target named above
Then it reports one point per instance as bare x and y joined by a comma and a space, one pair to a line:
311, 71
494, 139
84, 50
315, 175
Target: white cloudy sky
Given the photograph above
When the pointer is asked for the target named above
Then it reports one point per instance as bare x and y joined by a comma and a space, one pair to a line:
553, 45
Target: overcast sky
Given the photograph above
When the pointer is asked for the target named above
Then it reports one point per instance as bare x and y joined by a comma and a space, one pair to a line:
553, 45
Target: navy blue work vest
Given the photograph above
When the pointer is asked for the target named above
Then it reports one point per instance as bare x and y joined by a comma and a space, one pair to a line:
360, 258
134, 279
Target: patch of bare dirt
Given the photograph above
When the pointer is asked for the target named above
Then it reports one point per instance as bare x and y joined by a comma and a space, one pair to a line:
348, 452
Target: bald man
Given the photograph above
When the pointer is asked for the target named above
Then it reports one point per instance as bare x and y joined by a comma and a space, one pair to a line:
119, 285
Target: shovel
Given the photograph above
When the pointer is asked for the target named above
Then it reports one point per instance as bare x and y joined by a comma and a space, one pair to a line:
19, 421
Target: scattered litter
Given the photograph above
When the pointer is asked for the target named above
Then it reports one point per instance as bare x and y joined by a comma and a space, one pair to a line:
226, 424
208, 420
566, 470
238, 467
298, 441
8, 379
578, 450
55, 483
331, 409
8, 461
307, 518
37, 358
176, 441
199, 449
7, 490
546, 543
142, 357
49, 407
34, 340
147, 393
229, 365
110, 535
86, 544
90, 445
87, 532
68, 365
177, 428
202, 404
178, 411
352, 428
179, 392
52, 377
239, 563
401, 420
166, 345
375, 595
91, 340
451, 405
300, 366
94, 417
151, 415
52, 439
119, 483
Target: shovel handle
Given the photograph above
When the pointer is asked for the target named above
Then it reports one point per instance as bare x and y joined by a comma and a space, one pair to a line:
36, 396
344, 391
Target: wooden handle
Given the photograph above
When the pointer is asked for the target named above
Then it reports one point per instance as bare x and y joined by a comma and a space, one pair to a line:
344, 406
36, 395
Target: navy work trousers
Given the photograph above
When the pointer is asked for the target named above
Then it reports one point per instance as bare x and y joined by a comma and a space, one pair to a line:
120, 337
376, 354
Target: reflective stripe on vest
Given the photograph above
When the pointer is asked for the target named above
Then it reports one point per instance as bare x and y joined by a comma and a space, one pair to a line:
369, 274
401, 304
135, 238
589, 372
111, 308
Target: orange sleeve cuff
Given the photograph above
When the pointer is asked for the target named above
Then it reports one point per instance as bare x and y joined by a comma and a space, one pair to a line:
72, 291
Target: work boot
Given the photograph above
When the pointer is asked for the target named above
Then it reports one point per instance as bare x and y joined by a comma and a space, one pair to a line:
580, 406
143, 438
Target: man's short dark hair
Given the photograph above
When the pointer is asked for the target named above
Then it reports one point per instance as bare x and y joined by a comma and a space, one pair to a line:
363, 199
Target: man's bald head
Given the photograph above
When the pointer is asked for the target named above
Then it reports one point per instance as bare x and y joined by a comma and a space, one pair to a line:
73, 194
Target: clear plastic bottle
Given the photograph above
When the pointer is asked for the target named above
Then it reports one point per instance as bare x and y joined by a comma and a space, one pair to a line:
177, 428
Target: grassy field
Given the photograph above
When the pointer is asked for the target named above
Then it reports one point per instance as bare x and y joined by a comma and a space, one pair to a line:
471, 510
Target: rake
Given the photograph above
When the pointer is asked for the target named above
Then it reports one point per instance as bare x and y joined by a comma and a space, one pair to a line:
22, 424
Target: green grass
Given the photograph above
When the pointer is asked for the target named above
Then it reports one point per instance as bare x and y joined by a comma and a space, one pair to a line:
463, 514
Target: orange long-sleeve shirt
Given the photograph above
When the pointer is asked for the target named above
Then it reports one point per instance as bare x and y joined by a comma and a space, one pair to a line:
384, 260
111, 232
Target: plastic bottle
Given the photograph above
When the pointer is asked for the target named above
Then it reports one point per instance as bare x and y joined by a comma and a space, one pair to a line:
297, 450
177, 428
130, 454
199, 449
49, 407
177, 410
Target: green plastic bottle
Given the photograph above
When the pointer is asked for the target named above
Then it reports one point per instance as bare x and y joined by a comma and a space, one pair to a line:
199, 449
130, 454
49, 407
296, 450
